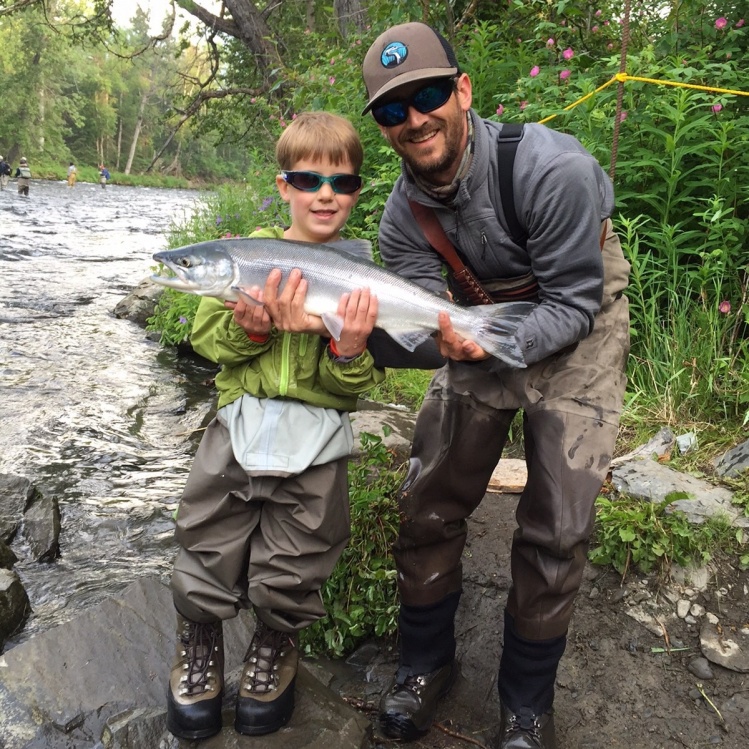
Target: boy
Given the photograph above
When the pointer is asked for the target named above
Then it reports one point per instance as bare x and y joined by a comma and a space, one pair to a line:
264, 515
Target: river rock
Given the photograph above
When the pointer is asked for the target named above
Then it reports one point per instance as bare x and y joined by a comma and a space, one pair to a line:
41, 528
16, 492
7, 557
395, 426
659, 446
140, 303
14, 605
733, 462
104, 675
651, 481
726, 646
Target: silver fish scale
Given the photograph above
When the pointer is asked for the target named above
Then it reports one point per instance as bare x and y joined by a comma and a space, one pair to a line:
403, 305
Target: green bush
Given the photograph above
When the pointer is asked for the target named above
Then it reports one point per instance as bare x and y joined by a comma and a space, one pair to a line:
361, 595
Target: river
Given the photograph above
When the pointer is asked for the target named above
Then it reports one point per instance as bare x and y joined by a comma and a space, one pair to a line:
92, 412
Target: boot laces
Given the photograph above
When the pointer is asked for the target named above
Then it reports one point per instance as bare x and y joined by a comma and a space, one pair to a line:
526, 722
266, 649
199, 657
412, 682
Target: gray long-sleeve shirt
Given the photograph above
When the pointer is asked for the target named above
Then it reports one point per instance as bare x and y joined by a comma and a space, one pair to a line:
561, 197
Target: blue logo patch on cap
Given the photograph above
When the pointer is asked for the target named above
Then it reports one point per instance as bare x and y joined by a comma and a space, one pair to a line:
393, 55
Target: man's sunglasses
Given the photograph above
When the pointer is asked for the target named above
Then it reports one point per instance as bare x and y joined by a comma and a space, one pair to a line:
343, 184
426, 99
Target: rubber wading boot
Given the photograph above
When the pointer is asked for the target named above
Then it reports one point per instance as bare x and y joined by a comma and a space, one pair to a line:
526, 730
196, 681
408, 707
266, 688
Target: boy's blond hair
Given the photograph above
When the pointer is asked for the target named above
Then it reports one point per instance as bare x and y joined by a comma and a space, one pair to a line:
317, 136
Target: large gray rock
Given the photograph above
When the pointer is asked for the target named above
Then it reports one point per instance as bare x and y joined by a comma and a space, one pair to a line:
140, 303
14, 605
104, 674
7, 557
41, 528
651, 481
734, 462
16, 493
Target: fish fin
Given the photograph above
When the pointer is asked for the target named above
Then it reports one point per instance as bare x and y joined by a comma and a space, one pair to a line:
334, 324
411, 339
245, 297
498, 328
358, 247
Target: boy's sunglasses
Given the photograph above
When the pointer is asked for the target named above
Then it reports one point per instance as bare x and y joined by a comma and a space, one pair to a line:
343, 184
426, 99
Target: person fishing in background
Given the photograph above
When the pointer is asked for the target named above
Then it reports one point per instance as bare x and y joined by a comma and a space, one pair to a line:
265, 513
104, 175
23, 177
5, 172
575, 343
72, 175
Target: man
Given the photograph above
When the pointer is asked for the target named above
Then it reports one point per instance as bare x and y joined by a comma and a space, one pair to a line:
23, 177
575, 344
5, 172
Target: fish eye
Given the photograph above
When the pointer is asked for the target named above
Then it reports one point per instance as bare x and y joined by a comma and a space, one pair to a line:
184, 262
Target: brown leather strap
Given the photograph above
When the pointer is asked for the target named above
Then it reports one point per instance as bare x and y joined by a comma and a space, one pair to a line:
435, 234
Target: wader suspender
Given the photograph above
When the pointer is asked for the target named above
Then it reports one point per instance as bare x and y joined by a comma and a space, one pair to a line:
509, 137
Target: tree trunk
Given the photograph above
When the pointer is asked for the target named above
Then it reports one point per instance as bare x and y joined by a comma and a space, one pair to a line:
351, 17
310, 15
119, 135
136, 132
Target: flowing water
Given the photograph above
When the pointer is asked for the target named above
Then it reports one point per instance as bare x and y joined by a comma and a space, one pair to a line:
92, 412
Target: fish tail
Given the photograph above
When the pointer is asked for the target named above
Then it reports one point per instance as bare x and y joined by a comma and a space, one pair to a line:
497, 328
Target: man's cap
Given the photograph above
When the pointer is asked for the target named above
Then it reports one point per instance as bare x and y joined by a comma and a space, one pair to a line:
403, 54
22, 160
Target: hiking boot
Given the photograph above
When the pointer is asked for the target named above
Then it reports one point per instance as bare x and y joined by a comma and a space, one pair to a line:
196, 681
266, 688
408, 707
526, 730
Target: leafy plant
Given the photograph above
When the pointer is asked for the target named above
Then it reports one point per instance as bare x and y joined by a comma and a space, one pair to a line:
648, 536
361, 594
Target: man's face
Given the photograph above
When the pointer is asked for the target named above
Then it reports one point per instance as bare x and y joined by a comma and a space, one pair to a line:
432, 143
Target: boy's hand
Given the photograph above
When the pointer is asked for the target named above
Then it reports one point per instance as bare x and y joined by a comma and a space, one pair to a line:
287, 308
252, 318
359, 312
454, 346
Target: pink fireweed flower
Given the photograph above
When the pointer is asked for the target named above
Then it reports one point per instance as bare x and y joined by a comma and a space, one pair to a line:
568, 53
594, 29
716, 108
523, 105
597, 14
739, 23
721, 23
535, 70
565, 74
623, 116
724, 307
550, 42
500, 110
331, 80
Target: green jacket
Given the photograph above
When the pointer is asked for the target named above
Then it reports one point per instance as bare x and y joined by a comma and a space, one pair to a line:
287, 365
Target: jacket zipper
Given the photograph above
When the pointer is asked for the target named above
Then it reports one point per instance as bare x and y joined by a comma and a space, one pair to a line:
283, 385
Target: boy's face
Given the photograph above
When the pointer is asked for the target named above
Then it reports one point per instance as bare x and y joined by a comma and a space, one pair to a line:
317, 216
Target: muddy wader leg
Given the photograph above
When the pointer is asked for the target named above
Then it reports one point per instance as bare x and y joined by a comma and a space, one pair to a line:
457, 444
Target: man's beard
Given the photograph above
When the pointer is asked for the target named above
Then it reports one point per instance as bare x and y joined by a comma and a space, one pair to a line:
427, 167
